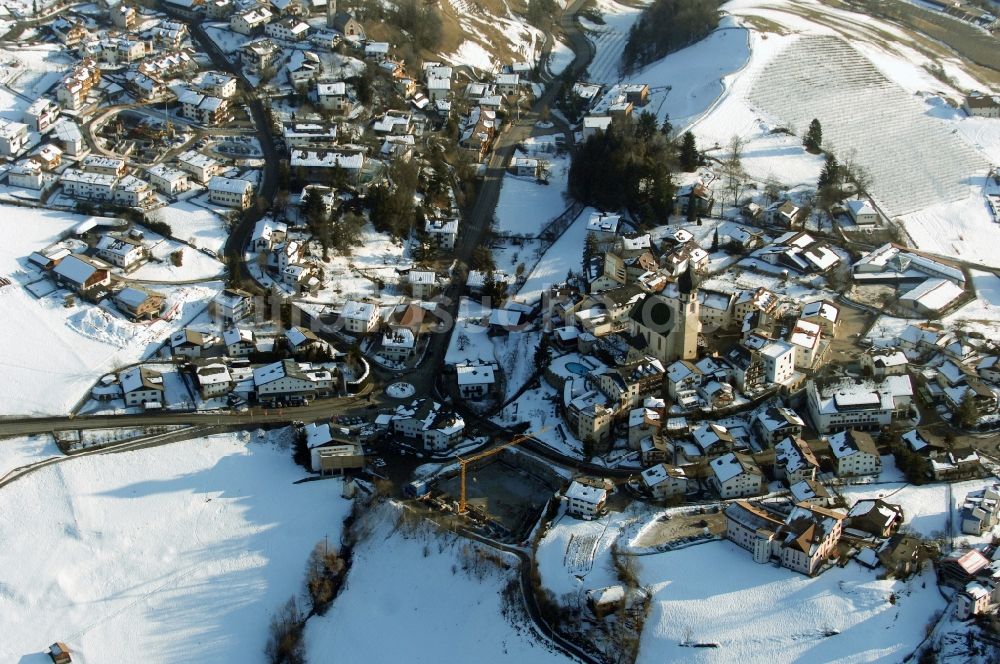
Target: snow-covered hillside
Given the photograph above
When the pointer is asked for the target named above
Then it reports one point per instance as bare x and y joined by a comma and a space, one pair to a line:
715, 593
421, 596
180, 552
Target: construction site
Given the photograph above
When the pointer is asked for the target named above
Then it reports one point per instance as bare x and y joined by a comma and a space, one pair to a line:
502, 491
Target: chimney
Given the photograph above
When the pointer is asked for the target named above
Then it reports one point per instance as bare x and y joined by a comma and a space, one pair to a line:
331, 11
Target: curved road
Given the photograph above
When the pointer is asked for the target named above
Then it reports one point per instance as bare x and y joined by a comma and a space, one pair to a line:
240, 235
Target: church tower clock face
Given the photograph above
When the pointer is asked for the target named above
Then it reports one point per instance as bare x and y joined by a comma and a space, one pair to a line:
659, 315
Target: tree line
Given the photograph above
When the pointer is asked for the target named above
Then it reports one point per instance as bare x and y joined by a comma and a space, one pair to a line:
627, 167
666, 26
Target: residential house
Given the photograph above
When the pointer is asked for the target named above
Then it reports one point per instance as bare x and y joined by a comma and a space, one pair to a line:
360, 318
584, 501
590, 418
250, 22
972, 601
267, 235
774, 424
794, 460
94, 186
120, 251
712, 439
41, 114
876, 517
231, 305
259, 54
854, 453
779, 362
476, 380
443, 232
422, 284
131, 191
332, 95
80, 273
141, 386
882, 362
139, 303
190, 343
736, 475
27, 174
167, 180
289, 379
201, 166
239, 342
230, 192
978, 104
805, 339
663, 481
398, 344
429, 422
287, 29
214, 380
862, 213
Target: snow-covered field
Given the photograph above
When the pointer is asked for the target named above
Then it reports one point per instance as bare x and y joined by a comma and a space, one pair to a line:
526, 206
180, 552
52, 355
566, 254
983, 313
20, 451
816, 61
195, 225
409, 597
715, 593
559, 58
609, 39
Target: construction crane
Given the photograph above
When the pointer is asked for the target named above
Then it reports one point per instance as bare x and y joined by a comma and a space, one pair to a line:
516, 440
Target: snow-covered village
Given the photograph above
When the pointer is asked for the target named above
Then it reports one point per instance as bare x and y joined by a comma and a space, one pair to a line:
601, 331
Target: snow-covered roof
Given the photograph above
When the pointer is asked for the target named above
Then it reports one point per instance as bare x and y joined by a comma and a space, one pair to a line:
805, 334
731, 465
75, 268
132, 297
933, 294
476, 374
660, 473
363, 311
229, 185
586, 493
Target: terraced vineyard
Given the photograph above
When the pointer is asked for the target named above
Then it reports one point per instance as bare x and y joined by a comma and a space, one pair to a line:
915, 161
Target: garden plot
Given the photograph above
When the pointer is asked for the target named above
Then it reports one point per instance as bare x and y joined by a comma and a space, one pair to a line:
194, 266
767, 614
862, 111
930, 510
469, 341
182, 552
27, 72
